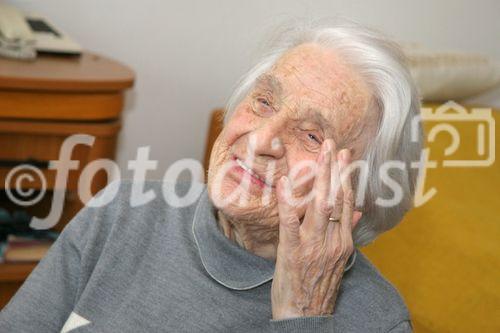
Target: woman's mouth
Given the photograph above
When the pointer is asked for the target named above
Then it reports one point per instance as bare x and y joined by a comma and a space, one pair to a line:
255, 178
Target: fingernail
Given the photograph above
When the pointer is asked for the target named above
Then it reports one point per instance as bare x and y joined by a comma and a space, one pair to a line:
328, 145
344, 155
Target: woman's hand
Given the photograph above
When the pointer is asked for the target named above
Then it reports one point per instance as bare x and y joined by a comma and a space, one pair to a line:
311, 256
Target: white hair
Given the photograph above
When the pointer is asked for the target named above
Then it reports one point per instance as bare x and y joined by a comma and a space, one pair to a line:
382, 65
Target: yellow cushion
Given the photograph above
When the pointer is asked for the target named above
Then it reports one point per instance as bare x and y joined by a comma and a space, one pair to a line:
444, 256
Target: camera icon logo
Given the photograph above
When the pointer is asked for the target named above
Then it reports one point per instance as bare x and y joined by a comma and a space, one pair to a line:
471, 134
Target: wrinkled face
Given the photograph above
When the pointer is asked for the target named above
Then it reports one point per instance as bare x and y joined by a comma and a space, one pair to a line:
309, 95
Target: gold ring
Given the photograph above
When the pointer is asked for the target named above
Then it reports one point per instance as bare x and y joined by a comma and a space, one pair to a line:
334, 220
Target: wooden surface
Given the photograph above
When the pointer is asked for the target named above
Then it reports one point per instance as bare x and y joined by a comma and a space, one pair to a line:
42, 103
89, 72
45, 105
214, 129
15, 272
41, 141
8, 290
55, 128
11, 278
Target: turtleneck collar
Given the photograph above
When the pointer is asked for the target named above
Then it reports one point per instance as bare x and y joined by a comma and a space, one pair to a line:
224, 260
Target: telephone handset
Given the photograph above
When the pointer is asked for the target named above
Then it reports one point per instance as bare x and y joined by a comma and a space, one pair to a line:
16, 37
23, 35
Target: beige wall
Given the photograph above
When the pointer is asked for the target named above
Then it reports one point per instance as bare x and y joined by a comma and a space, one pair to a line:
188, 54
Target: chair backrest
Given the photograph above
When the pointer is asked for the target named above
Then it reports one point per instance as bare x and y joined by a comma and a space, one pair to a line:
214, 129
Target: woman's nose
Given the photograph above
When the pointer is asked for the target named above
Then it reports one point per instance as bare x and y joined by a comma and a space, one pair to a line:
266, 142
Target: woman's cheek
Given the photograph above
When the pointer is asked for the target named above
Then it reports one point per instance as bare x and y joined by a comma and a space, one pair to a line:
239, 124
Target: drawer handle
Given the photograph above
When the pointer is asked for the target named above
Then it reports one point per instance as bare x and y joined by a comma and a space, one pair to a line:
13, 163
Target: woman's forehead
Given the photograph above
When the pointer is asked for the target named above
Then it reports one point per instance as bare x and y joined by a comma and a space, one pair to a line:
314, 66
314, 80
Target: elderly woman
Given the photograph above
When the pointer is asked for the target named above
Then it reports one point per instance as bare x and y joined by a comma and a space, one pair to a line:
270, 244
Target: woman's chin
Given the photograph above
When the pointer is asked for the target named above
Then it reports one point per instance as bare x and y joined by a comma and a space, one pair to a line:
230, 193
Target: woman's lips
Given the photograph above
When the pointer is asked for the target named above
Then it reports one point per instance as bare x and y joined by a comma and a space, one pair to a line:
242, 170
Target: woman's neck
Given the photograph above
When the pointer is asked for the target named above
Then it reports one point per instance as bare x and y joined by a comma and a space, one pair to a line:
256, 238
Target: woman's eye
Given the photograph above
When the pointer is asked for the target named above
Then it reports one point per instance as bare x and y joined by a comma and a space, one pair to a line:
264, 102
314, 138
262, 106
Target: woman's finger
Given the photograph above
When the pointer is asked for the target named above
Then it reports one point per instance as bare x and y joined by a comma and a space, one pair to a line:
348, 195
356, 216
337, 195
318, 212
289, 224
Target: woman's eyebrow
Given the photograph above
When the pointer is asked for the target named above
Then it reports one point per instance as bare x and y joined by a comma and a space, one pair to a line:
270, 82
314, 115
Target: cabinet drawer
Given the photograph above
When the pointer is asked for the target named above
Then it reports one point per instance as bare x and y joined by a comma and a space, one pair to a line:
60, 105
38, 143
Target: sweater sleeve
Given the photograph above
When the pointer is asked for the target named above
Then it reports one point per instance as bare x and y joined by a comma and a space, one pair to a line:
48, 295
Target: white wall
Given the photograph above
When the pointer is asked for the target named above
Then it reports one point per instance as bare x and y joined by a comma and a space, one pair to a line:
188, 54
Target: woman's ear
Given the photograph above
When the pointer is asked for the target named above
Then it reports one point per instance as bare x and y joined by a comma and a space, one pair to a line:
356, 216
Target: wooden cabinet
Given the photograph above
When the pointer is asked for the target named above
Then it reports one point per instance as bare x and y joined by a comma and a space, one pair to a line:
41, 104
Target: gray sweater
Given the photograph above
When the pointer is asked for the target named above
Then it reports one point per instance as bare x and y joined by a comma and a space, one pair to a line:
157, 268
